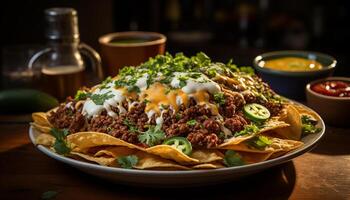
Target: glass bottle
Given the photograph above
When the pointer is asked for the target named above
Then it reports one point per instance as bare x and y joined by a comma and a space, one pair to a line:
62, 67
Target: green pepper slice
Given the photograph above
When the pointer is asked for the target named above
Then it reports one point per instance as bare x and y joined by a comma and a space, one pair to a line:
256, 112
180, 143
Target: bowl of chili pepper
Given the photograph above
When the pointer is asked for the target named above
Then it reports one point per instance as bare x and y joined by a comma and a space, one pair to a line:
330, 97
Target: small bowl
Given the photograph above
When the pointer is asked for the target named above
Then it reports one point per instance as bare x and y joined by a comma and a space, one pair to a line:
292, 84
334, 110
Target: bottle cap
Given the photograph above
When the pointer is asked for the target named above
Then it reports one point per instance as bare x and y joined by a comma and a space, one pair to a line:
62, 24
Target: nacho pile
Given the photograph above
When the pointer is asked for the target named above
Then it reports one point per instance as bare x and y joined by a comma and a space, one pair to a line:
176, 113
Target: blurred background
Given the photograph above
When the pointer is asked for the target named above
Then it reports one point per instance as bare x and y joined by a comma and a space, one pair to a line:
223, 29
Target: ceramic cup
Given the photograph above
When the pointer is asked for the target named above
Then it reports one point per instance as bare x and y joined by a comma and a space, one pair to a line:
129, 49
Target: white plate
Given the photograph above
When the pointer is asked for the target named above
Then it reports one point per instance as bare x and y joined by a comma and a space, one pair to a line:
179, 178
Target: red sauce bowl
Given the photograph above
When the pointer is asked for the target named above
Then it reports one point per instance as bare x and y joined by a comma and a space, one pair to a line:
334, 109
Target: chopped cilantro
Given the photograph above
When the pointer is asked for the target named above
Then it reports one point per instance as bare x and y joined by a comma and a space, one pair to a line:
248, 129
60, 144
131, 126
105, 82
153, 136
128, 162
259, 142
146, 101
81, 95
232, 159
219, 98
99, 99
178, 116
134, 88
309, 125
247, 70
191, 122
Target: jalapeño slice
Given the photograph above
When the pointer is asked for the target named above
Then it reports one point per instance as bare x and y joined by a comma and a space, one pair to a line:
256, 112
180, 143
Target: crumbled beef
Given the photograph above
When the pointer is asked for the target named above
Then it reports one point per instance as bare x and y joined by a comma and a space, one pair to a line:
235, 123
249, 97
114, 126
274, 108
68, 117
177, 129
201, 138
138, 116
212, 126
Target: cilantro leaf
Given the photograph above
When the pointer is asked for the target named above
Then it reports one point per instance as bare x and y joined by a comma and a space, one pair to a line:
154, 135
247, 70
128, 162
219, 98
309, 125
232, 159
99, 99
60, 144
81, 95
259, 142
191, 122
248, 129
51, 194
104, 83
132, 127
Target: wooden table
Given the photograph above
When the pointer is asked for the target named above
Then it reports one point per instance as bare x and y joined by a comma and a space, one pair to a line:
323, 173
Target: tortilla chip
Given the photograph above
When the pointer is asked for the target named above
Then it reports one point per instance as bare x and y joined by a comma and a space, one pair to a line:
115, 152
40, 118
207, 155
214, 165
292, 117
82, 141
41, 128
251, 157
148, 161
276, 146
100, 160
169, 152
45, 139
269, 125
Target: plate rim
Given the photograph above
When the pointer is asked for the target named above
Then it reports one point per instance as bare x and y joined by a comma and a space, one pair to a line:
237, 169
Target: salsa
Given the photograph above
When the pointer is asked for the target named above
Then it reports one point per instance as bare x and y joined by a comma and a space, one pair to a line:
294, 64
332, 88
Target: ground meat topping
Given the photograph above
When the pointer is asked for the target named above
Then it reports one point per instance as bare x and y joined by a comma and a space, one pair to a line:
235, 123
201, 138
67, 117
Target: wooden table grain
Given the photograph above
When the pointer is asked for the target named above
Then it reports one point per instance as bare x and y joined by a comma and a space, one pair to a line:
323, 173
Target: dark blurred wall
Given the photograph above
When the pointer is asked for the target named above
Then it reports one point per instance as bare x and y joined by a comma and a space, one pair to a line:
22, 20
223, 29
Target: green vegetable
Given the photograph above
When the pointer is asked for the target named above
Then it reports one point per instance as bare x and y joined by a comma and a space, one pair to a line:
81, 95
191, 122
154, 135
219, 98
128, 162
51, 194
60, 145
259, 142
180, 143
232, 159
25, 101
104, 83
131, 126
248, 129
99, 99
256, 112
309, 125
